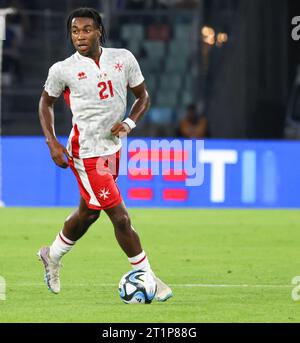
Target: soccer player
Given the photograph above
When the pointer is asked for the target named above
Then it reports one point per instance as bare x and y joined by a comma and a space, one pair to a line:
94, 81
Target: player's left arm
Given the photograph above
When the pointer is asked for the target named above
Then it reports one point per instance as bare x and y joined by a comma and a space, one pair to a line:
139, 107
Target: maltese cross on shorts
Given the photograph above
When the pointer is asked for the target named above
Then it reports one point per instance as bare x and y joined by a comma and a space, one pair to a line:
104, 193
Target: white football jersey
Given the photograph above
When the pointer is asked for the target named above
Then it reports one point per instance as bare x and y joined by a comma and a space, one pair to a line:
97, 97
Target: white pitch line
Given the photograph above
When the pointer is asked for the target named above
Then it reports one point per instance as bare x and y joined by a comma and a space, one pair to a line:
200, 285
230, 286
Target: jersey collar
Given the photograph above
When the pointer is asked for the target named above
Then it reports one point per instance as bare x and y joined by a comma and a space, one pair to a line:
84, 58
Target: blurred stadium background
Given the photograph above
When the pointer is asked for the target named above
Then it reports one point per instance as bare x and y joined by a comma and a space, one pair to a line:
229, 68
237, 61
214, 69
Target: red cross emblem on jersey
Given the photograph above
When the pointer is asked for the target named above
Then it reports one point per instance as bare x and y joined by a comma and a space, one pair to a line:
81, 75
119, 66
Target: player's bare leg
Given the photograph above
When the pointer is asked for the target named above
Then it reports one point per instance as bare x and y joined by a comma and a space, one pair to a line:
126, 236
79, 221
75, 227
129, 241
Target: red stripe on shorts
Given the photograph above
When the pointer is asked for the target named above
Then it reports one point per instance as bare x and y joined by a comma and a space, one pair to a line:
75, 142
84, 193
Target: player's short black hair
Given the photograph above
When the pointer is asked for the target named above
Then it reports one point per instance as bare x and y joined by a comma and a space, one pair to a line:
87, 12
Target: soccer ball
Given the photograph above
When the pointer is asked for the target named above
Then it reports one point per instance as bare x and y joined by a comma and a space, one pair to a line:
137, 287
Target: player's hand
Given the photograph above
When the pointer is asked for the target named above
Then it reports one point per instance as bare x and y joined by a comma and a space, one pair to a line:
58, 153
120, 130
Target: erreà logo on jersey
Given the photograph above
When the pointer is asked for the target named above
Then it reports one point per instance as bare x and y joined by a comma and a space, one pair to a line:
81, 75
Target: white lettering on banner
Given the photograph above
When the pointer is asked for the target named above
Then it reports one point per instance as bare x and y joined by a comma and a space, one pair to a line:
137, 164
218, 160
196, 171
162, 156
165, 147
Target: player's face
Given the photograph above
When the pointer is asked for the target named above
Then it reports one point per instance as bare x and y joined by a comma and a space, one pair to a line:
85, 36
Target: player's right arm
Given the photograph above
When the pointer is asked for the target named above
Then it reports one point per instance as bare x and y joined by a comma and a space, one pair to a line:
46, 115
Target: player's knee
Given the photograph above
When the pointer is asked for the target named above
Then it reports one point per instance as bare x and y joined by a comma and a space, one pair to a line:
123, 222
89, 217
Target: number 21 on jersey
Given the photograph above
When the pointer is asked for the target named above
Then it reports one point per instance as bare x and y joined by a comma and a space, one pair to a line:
106, 89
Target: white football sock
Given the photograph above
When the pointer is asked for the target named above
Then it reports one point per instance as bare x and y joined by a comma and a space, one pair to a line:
140, 261
60, 247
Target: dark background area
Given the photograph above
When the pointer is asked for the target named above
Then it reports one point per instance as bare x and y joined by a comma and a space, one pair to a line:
243, 86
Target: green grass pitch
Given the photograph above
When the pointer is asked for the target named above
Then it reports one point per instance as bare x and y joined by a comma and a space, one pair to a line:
223, 266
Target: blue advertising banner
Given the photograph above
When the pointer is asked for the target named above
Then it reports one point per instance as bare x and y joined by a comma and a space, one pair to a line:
164, 173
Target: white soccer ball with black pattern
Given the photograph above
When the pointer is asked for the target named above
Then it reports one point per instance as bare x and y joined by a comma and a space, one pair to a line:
137, 287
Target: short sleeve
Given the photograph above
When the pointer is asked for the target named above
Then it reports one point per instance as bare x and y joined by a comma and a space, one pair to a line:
54, 85
135, 76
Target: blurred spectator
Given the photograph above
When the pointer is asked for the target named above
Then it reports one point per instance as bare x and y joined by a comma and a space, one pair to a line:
292, 113
193, 125
183, 4
187, 4
11, 56
19, 22
136, 4
16, 27
159, 31
165, 3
